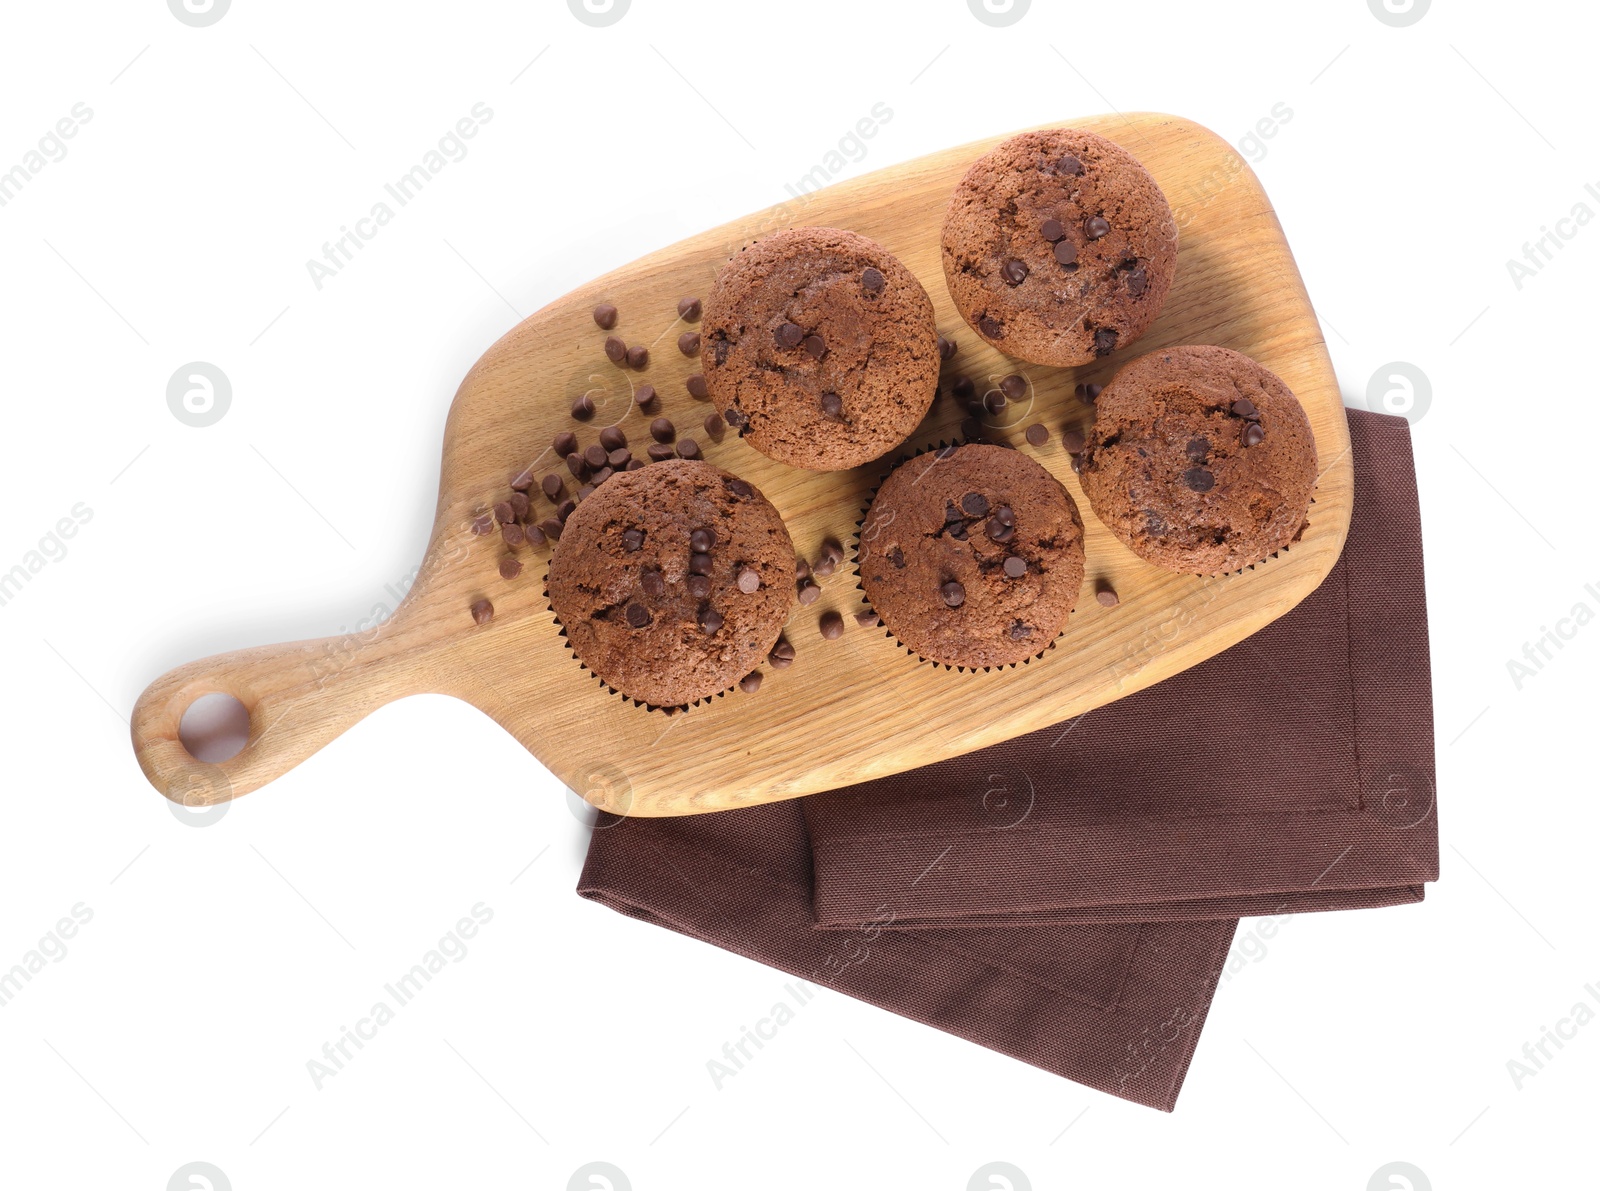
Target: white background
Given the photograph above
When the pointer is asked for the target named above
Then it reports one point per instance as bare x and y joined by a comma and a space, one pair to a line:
218, 961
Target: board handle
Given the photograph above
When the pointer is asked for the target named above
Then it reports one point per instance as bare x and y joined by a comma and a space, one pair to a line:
299, 696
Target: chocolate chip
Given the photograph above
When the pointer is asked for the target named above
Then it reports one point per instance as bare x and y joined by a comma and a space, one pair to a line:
1245, 408
616, 350
710, 621
1198, 449
1077, 463
751, 682
963, 389
696, 384
534, 535
645, 396
1037, 434
815, 347
999, 531
520, 505
583, 407
1073, 440
1105, 594
1066, 252
872, 281
652, 584
1005, 516
782, 655
599, 477
1020, 631
947, 349
1199, 479
808, 592
700, 563
702, 540
605, 316
503, 513
734, 418
512, 535
566, 508
973, 504
1069, 165
831, 625
483, 526
523, 480
1137, 281
595, 456
552, 486
991, 327
510, 567
482, 612
788, 335
689, 309
688, 449
1014, 272
832, 407
564, 443
689, 343
612, 437
632, 540
867, 619
1015, 567
1095, 227
1052, 230
714, 425
1253, 434
619, 459
638, 358
1013, 386
638, 616
660, 452
1105, 342
551, 528
662, 430
634, 465
824, 567
1091, 393
832, 551
749, 581
953, 594
699, 586
971, 428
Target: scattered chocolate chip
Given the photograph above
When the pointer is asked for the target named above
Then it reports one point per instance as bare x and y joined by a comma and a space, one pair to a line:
1013, 386
832, 551
1037, 434
994, 401
523, 480
645, 396
710, 621
1073, 440
699, 586
714, 425
1095, 227
599, 477
510, 567
832, 625
1199, 479
689, 343
616, 350
823, 567
751, 682
638, 358
583, 407
620, 458
696, 384
953, 594
482, 612
564, 443
1066, 252
660, 452
634, 465
867, 619
512, 535
1015, 567
963, 389
1137, 280
689, 309
749, 581
971, 428
520, 505
503, 513
1253, 434
782, 655
534, 534
484, 525
872, 281
662, 430
947, 349
1077, 463
1069, 165
595, 455
1245, 408
612, 437
1052, 230
651, 583
788, 335
1105, 594
808, 592
638, 616
991, 327
1092, 393
1014, 272
832, 407
1105, 342
565, 508
802, 568
815, 347
605, 316
551, 527
688, 449
632, 540
552, 486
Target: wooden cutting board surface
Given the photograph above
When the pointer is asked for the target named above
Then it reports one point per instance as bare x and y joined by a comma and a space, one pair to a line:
846, 710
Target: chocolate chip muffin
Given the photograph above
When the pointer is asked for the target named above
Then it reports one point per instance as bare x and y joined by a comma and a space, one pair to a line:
820, 348
1200, 460
672, 582
1059, 247
972, 556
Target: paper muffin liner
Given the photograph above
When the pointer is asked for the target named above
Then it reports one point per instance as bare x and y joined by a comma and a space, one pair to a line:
866, 508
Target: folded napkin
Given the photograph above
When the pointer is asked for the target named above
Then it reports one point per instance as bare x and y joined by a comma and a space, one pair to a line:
1068, 897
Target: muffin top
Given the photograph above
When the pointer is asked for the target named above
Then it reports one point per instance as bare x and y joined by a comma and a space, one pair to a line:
819, 348
1200, 460
1059, 247
672, 582
972, 556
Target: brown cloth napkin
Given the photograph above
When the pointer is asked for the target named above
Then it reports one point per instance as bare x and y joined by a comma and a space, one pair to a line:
1068, 897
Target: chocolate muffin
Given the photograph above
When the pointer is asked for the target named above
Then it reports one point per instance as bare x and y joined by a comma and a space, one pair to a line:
1200, 460
972, 556
672, 582
1059, 247
820, 348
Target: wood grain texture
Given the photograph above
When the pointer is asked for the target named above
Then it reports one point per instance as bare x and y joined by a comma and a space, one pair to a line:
847, 710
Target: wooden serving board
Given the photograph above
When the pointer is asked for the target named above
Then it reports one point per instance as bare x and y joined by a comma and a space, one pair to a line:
846, 710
